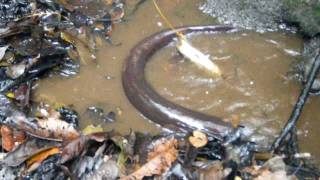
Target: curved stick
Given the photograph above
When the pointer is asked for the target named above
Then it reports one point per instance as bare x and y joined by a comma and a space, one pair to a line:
157, 108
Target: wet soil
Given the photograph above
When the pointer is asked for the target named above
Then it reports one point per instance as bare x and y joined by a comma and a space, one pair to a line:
254, 87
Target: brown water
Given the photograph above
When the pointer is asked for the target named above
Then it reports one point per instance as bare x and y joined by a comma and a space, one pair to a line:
254, 87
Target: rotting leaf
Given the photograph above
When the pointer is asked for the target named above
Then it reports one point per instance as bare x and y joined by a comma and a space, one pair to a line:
160, 159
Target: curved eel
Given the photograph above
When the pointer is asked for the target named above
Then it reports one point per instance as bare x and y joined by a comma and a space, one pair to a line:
151, 104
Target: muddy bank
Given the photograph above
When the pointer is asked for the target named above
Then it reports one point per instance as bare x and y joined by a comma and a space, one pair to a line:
273, 15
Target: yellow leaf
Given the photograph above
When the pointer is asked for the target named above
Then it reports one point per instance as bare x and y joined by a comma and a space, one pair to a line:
67, 37
92, 129
10, 95
38, 158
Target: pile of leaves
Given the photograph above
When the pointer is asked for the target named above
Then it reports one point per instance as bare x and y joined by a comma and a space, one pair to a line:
50, 145
38, 35
39, 38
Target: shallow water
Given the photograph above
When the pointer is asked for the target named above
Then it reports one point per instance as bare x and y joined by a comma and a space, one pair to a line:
254, 87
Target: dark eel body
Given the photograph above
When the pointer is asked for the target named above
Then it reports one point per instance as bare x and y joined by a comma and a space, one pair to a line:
157, 108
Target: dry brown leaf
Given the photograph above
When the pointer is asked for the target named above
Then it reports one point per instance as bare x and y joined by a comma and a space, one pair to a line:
38, 158
160, 159
11, 137
7, 138
198, 139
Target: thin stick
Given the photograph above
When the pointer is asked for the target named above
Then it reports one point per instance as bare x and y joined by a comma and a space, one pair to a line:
303, 97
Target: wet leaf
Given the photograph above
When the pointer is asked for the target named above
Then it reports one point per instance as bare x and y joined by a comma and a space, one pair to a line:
198, 139
77, 146
49, 169
57, 127
160, 159
26, 150
3, 51
107, 170
73, 149
49, 127
92, 129
67, 37
41, 156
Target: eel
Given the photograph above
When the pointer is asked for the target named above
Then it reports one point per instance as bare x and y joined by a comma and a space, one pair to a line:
153, 106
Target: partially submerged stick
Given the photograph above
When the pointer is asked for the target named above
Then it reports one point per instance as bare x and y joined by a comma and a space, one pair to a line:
303, 97
187, 50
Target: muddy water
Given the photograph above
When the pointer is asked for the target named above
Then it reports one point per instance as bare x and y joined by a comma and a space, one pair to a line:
254, 87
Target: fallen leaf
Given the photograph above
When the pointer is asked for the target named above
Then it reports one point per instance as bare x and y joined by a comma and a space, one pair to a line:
7, 138
198, 139
41, 156
73, 149
76, 147
16, 71
3, 51
10, 95
108, 170
11, 138
160, 159
91, 129
26, 150
50, 127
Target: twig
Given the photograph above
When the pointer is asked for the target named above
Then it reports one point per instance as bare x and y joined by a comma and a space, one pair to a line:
291, 123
